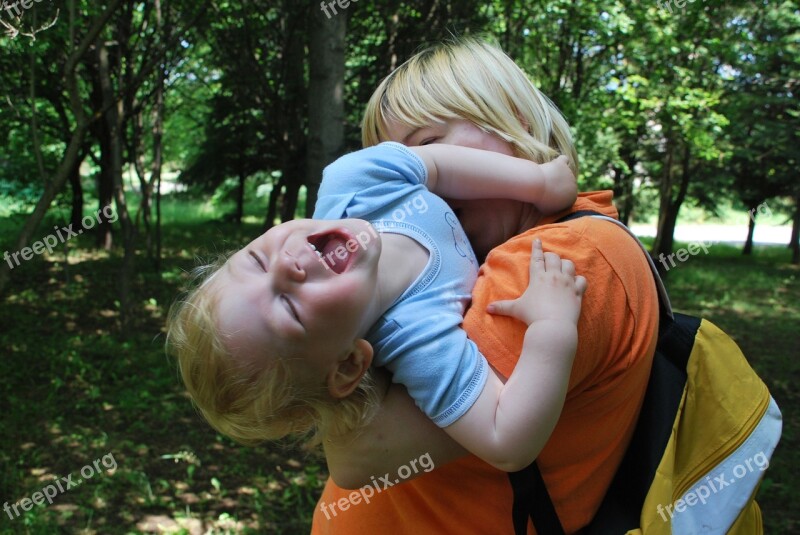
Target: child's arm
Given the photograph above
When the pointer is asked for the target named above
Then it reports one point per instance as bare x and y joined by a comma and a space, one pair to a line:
510, 423
465, 173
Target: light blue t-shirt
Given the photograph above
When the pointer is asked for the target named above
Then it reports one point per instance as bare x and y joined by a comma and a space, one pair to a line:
419, 339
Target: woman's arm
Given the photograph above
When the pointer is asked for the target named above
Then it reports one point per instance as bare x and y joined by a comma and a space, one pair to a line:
465, 173
398, 433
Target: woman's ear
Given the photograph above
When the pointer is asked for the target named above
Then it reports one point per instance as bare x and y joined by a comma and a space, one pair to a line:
343, 379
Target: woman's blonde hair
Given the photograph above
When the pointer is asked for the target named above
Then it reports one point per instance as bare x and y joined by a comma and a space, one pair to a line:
471, 79
252, 404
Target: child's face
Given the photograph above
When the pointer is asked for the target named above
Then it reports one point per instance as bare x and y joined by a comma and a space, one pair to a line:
488, 222
288, 294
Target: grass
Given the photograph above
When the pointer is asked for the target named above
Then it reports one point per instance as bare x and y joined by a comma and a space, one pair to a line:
75, 391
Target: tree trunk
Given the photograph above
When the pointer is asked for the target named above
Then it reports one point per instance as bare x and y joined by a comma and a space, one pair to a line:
114, 118
105, 189
665, 238
37, 145
158, 135
136, 154
240, 198
623, 194
623, 186
669, 207
325, 100
77, 193
103, 133
272, 205
293, 165
751, 229
666, 222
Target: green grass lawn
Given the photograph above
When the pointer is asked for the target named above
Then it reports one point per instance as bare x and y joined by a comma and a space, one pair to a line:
74, 392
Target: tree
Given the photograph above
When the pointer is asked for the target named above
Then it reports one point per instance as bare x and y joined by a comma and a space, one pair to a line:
325, 99
761, 99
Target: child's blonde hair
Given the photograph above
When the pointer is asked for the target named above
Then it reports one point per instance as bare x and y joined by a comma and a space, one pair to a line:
470, 79
246, 403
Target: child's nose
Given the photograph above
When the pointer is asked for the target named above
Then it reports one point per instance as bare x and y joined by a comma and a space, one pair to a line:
290, 267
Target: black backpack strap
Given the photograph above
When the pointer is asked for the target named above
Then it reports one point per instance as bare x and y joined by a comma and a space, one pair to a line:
621, 507
531, 499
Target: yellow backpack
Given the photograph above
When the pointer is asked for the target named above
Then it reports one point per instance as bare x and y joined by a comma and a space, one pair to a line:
705, 435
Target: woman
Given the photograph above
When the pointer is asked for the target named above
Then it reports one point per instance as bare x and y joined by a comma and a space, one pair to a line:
469, 93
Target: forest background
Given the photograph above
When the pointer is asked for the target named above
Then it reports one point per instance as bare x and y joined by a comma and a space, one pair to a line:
167, 130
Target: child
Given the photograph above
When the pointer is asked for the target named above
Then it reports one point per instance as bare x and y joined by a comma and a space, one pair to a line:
280, 340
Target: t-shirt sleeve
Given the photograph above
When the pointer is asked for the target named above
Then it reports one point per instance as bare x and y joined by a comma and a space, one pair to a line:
442, 369
601, 328
359, 183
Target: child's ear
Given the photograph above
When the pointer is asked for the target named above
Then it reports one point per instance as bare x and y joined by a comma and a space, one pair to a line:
343, 379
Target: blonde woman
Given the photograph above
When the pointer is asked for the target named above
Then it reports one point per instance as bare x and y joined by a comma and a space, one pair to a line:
470, 93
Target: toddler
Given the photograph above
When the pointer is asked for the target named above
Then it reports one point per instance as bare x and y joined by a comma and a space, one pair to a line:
280, 339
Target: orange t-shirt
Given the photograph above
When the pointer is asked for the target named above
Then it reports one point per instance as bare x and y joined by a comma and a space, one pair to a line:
617, 335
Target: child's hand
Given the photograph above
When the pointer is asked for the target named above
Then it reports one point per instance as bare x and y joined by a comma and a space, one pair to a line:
554, 291
560, 188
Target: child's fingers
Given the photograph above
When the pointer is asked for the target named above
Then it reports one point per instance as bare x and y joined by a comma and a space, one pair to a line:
552, 262
581, 284
568, 267
537, 257
500, 308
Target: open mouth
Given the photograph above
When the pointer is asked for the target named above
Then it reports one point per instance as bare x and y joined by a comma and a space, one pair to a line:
331, 250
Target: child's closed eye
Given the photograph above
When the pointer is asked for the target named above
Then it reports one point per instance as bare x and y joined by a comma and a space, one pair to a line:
258, 261
292, 310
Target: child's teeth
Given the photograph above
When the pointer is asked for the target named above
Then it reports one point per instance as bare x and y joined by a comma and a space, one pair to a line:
314, 248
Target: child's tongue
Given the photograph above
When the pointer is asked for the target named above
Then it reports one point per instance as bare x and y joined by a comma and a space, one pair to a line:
335, 263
